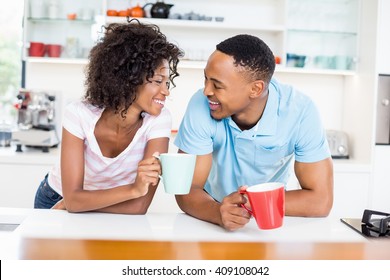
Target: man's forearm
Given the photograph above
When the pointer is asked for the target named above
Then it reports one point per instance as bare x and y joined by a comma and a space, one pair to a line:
200, 205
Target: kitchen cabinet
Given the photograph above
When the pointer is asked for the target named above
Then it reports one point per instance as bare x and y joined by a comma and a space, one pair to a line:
351, 193
21, 174
383, 55
58, 29
351, 188
289, 27
381, 182
381, 186
324, 33
19, 183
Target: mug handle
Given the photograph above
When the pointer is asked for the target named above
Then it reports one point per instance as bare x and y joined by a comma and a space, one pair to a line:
243, 205
158, 157
45, 50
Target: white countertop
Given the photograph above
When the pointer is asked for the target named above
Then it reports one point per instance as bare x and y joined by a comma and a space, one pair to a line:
8, 155
167, 227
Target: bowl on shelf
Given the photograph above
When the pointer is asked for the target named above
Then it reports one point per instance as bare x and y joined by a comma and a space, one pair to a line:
54, 50
112, 13
37, 49
71, 16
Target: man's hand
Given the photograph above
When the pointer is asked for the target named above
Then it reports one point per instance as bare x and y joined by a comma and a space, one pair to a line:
233, 215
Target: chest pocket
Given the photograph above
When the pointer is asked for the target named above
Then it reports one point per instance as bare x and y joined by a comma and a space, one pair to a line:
272, 156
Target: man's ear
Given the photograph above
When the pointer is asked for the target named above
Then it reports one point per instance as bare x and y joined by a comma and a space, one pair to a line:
257, 89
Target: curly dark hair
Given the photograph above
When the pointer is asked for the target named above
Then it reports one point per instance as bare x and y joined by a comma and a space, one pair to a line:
128, 54
252, 54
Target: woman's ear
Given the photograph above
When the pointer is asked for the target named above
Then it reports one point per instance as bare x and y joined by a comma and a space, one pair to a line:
257, 89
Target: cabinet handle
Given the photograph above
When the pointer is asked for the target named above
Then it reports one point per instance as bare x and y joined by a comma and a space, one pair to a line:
385, 102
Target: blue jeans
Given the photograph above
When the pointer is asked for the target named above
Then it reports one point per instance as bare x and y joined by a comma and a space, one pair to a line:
46, 197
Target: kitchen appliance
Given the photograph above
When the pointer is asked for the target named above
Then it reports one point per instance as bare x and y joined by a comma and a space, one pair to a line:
36, 120
159, 9
5, 134
372, 224
338, 144
383, 111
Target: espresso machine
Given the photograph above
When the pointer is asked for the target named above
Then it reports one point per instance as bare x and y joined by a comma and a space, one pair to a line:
36, 120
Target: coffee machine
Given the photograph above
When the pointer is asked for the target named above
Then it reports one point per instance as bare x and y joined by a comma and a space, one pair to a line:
36, 120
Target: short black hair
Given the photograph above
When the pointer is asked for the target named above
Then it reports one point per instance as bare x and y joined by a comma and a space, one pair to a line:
120, 62
252, 54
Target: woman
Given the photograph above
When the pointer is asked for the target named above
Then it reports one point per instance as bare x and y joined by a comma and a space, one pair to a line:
110, 136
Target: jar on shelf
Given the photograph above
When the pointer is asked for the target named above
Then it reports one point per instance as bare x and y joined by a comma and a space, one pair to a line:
37, 9
53, 9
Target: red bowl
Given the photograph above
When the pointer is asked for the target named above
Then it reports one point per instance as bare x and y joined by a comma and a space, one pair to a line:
37, 49
54, 50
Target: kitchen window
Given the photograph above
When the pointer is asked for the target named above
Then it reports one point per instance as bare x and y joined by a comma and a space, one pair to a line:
10, 58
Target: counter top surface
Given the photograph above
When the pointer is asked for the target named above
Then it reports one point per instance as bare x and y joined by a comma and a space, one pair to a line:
28, 155
37, 223
57, 234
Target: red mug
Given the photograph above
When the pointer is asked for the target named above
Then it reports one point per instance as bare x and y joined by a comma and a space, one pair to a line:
267, 203
54, 50
37, 49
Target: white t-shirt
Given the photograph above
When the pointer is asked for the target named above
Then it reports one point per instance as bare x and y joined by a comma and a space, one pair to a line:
102, 172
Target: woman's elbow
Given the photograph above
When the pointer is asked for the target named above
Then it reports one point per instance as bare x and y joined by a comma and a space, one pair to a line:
72, 208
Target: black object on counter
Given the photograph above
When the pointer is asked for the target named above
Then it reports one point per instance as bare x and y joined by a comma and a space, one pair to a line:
371, 225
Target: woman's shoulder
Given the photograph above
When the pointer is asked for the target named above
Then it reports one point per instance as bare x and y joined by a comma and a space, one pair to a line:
81, 107
165, 113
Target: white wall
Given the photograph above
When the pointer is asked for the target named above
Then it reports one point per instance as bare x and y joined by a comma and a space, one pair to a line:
345, 102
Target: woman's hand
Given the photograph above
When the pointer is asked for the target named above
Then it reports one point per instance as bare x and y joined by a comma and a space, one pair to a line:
147, 174
60, 205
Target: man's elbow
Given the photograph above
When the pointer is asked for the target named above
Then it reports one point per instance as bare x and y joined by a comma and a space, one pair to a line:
324, 208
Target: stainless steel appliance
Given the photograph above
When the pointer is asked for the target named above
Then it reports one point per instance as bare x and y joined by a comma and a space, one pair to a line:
338, 144
372, 224
36, 120
383, 111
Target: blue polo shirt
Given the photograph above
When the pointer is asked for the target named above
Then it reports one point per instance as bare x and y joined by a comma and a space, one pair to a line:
290, 128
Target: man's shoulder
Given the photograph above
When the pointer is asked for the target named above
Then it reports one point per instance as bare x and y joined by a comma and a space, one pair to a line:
288, 94
199, 97
198, 104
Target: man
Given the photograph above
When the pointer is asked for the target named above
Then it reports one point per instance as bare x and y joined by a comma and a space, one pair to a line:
246, 129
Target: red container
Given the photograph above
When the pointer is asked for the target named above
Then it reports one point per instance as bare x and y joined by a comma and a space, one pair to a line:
267, 203
37, 49
54, 50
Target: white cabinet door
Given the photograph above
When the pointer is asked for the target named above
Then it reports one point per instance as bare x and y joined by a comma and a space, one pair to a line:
19, 182
383, 56
350, 194
351, 190
381, 191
